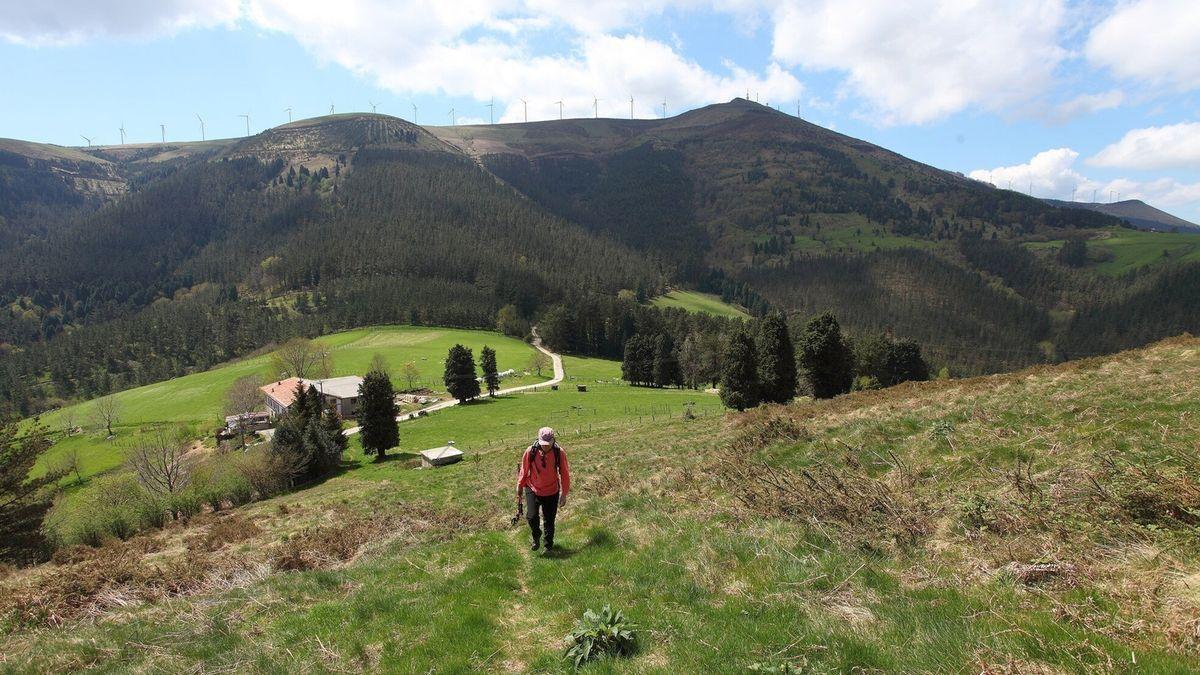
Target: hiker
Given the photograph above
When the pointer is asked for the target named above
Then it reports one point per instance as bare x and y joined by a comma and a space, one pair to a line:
543, 481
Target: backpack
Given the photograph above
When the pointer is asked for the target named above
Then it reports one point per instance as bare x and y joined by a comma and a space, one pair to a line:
528, 456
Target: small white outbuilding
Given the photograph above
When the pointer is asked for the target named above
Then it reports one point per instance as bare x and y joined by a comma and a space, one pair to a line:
447, 454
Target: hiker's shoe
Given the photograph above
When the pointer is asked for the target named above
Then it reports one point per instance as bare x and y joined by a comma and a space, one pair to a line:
535, 546
549, 545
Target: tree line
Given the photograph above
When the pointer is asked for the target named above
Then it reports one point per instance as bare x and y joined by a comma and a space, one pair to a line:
758, 362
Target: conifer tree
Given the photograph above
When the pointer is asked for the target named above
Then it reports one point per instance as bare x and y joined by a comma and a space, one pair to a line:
739, 372
825, 357
377, 414
666, 362
287, 443
332, 425
459, 376
776, 360
487, 361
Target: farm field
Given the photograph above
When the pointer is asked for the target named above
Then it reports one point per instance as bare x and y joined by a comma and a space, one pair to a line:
694, 301
197, 401
918, 563
1133, 249
510, 422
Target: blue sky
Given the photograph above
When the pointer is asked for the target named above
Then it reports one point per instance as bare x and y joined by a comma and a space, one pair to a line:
1054, 96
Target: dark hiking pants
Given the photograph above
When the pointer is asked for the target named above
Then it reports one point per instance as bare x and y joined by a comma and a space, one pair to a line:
549, 507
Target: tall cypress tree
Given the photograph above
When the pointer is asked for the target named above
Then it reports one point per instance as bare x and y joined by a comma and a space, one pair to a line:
487, 361
629, 367
776, 360
826, 357
459, 377
666, 362
377, 414
739, 372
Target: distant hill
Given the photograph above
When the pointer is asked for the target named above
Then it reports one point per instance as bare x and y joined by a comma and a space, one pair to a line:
1136, 212
354, 219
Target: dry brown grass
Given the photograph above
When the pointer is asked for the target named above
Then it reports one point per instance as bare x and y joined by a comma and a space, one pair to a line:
866, 511
87, 582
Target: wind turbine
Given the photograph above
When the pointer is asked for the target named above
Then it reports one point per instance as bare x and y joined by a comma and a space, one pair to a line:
414, 105
526, 103
122, 130
202, 136
164, 132
664, 108
289, 112
630, 107
452, 122
797, 107
247, 116
372, 106
89, 141
560, 105
595, 107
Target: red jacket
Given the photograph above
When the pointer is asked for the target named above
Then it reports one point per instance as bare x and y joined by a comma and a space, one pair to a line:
541, 473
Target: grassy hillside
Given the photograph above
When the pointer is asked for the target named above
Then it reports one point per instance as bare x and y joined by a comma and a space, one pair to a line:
1035, 522
198, 400
694, 301
1117, 250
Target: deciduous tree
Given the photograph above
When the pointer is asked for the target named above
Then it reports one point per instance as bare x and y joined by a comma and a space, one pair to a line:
301, 357
242, 398
107, 412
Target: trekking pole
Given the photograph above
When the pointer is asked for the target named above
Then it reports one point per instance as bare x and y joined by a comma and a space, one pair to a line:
520, 512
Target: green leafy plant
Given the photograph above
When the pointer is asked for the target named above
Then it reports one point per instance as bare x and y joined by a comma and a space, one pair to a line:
603, 633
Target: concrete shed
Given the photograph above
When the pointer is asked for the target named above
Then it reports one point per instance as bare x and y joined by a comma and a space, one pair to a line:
447, 454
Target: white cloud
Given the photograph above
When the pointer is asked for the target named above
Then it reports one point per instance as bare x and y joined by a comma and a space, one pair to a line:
1084, 104
1153, 41
64, 23
1048, 174
1052, 174
918, 62
458, 50
1170, 146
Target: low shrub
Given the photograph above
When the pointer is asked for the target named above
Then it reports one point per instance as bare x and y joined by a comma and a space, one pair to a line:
600, 634
266, 473
219, 483
114, 506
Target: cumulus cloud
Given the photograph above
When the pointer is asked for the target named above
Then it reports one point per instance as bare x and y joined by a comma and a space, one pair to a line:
64, 23
1052, 174
1170, 146
1153, 41
917, 62
1049, 173
483, 49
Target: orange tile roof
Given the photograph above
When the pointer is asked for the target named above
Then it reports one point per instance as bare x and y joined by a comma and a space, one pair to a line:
283, 391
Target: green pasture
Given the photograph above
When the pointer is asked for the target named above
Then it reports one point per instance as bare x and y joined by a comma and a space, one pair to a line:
1132, 249
694, 301
197, 400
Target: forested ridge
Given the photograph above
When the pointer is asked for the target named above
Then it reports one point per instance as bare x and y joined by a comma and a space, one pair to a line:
357, 220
